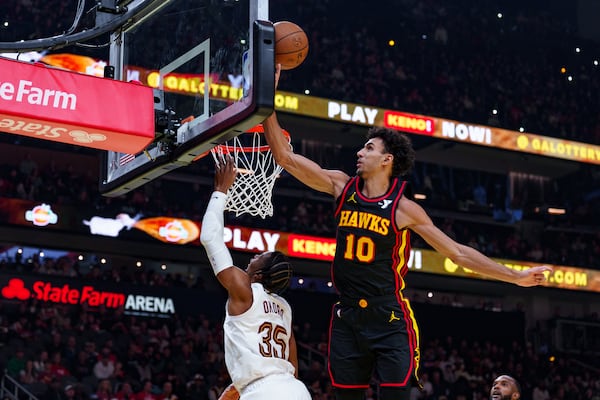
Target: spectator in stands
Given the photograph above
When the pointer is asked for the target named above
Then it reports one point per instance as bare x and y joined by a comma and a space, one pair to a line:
197, 388
83, 365
104, 391
28, 375
55, 390
186, 359
104, 367
75, 392
142, 368
427, 390
147, 392
56, 342
125, 391
56, 368
441, 388
70, 350
540, 391
16, 363
167, 392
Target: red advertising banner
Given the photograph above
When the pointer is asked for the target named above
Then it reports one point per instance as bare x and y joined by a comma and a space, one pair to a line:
62, 106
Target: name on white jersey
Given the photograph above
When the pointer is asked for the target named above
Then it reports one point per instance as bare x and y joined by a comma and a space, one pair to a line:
272, 307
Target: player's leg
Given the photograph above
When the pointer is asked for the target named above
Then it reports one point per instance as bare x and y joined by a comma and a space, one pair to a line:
350, 361
397, 352
275, 387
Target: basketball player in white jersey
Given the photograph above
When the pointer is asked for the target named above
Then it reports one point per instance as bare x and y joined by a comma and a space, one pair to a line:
260, 349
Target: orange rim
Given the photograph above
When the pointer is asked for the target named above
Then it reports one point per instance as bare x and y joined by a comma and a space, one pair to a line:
247, 149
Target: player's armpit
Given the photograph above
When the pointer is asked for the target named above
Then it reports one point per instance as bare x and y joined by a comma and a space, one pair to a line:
230, 393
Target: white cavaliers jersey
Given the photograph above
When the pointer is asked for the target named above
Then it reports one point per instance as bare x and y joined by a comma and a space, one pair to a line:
257, 341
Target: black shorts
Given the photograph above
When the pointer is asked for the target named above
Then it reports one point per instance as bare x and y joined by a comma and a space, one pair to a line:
373, 338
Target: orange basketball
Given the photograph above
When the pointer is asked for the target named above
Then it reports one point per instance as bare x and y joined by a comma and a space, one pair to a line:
291, 44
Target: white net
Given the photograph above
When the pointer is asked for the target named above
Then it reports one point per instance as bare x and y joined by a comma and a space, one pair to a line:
252, 189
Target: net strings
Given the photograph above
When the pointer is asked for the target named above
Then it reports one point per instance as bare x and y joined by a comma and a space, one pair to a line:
252, 190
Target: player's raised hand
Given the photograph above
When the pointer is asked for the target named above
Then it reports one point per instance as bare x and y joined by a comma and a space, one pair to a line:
534, 276
225, 173
277, 74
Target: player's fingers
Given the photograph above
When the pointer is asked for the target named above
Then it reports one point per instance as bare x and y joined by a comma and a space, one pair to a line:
539, 277
230, 163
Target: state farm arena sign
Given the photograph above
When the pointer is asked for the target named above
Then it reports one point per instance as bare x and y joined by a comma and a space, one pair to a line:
133, 300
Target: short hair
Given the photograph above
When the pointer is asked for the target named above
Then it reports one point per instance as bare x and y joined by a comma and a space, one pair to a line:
399, 145
517, 384
276, 273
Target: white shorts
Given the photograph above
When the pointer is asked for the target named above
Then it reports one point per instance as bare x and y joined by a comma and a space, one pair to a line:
275, 387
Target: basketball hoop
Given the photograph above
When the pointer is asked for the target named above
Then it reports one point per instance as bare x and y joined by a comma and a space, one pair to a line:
252, 190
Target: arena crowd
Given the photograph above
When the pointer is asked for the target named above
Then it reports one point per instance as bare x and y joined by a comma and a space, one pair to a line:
458, 60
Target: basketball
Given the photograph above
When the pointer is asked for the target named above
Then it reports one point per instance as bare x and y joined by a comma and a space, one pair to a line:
291, 44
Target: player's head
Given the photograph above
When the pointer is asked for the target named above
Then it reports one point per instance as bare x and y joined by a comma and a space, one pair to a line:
398, 145
272, 269
505, 387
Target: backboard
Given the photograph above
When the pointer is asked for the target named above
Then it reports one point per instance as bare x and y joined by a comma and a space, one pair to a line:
211, 64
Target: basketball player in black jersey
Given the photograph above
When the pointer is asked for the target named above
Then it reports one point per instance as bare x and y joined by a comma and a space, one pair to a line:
372, 326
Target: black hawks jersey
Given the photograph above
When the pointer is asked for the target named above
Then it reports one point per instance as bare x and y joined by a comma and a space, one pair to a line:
371, 256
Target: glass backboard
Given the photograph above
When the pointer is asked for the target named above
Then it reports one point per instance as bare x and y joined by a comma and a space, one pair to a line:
211, 64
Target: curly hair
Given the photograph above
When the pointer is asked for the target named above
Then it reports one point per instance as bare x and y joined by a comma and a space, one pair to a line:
276, 273
397, 144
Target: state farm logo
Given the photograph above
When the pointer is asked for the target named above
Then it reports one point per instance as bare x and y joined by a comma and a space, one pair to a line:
50, 132
16, 290
80, 136
41, 215
87, 294
26, 92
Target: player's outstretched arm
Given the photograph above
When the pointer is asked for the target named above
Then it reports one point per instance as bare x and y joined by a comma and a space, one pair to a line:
233, 279
410, 214
302, 168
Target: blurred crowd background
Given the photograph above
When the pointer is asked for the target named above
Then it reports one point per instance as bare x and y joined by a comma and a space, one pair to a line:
533, 62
